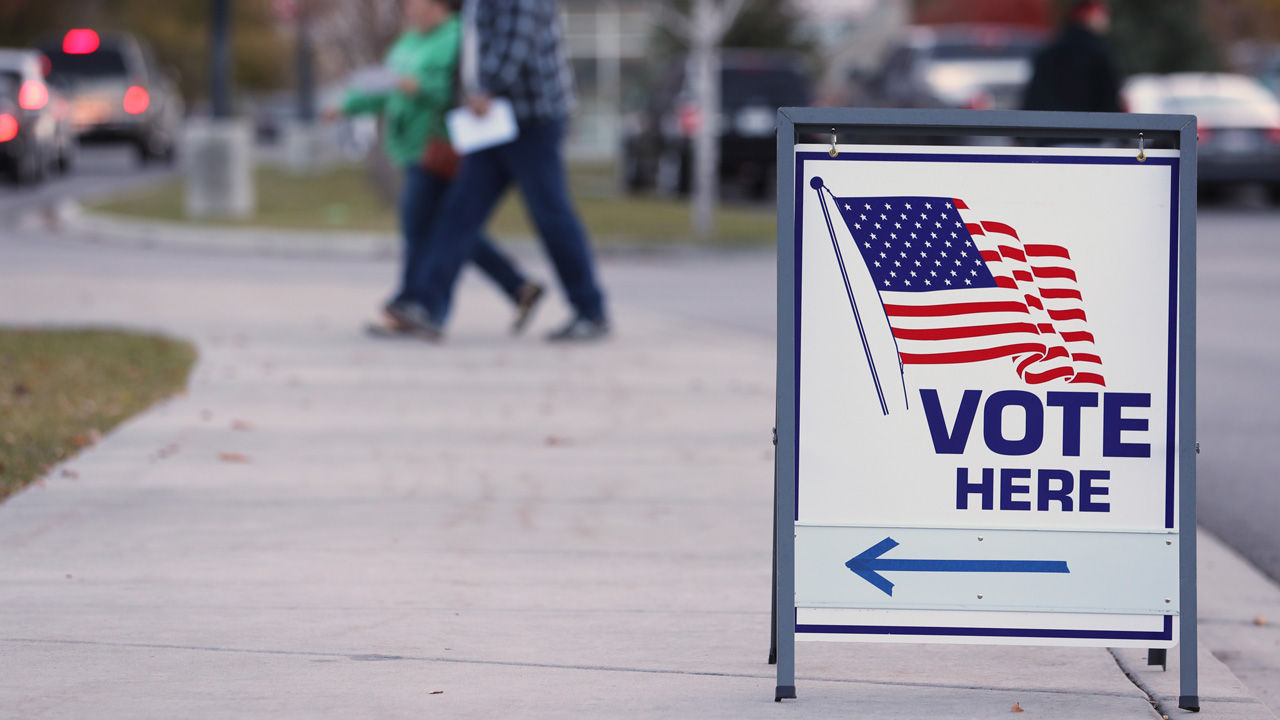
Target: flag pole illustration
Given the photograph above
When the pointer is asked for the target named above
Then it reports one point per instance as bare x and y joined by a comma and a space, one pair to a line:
958, 289
816, 184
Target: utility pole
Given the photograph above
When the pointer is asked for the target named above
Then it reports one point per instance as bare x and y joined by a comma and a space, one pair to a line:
220, 60
306, 64
704, 29
218, 150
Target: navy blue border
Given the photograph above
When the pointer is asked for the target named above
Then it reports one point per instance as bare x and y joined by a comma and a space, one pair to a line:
1173, 164
1164, 634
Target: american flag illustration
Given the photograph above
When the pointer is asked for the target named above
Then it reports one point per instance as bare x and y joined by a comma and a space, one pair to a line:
960, 289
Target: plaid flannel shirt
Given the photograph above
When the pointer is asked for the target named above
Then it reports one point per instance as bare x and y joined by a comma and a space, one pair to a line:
521, 57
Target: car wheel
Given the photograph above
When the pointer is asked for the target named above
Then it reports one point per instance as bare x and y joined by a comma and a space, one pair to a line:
143, 151
30, 170
1273, 193
66, 160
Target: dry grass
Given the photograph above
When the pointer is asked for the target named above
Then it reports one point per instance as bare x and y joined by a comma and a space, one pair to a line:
61, 390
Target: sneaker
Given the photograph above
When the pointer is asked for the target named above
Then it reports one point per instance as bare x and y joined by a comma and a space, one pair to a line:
581, 329
527, 299
386, 330
413, 319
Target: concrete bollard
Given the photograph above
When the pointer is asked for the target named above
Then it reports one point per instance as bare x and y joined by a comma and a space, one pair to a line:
218, 157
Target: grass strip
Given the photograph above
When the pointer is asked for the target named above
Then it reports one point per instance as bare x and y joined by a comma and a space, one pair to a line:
61, 390
341, 198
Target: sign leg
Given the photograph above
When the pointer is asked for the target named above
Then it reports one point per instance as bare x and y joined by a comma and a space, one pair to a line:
784, 616
773, 599
1158, 656
1188, 644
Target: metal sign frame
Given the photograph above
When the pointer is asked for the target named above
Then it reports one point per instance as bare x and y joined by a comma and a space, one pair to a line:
1178, 131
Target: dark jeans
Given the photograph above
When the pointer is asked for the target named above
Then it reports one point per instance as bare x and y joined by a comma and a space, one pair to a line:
534, 163
420, 204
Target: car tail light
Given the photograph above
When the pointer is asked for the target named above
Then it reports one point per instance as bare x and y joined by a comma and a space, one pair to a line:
33, 95
80, 41
981, 100
1273, 134
136, 100
8, 127
1203, 134
690, 119
46, 65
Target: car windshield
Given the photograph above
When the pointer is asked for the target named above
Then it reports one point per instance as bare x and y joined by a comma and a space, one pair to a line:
104, 63
772, 87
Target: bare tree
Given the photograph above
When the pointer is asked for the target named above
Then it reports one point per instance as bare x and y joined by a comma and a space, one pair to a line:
704, 28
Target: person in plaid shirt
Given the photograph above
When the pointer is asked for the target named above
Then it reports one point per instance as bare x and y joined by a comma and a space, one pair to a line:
513, 49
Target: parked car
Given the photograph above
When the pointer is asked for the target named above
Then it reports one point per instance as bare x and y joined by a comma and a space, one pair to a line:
117, 92
1238, 122
658, 138
35, 134
977, 67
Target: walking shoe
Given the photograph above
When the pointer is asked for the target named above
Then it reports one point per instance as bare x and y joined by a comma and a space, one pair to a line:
413, 319
581, 329
527, 299
386, 330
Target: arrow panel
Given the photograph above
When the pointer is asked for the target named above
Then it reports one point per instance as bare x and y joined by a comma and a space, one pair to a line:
994, 570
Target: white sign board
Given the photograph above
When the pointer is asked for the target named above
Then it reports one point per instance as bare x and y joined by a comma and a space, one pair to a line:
986, 396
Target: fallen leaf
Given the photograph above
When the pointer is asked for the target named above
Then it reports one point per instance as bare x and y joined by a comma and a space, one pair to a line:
68, 576
436, 692
1259, 621
233, 457
1017, 707
555, 440
69, 473
241, 425
20, 389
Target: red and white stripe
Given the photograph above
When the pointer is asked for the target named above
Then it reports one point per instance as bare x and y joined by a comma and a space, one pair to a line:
1035, 314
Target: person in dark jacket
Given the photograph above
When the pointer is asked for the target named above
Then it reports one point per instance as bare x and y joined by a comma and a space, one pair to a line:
516, 53
1076, 71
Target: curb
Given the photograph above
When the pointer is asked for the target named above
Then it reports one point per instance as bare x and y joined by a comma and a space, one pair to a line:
71, 217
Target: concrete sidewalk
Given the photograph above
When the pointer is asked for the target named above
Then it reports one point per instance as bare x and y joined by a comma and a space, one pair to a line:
329, 526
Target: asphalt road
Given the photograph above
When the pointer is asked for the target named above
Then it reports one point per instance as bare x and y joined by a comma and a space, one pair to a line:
97, 170
1238, 320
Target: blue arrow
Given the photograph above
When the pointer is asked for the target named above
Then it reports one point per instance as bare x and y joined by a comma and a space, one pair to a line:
868, 565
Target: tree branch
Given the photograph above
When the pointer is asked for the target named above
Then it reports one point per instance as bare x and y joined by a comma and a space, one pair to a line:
726, 14
673, 21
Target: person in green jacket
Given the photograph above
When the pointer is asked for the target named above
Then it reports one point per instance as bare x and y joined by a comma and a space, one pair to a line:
424, 59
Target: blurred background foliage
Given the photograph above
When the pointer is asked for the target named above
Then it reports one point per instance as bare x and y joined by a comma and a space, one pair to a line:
177, 31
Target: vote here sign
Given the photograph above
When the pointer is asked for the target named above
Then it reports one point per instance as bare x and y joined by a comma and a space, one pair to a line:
986, 400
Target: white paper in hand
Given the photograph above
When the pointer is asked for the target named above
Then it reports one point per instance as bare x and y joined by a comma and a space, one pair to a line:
470, 132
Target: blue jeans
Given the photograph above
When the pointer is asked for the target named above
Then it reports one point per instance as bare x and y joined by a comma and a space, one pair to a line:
420, 204
534, 163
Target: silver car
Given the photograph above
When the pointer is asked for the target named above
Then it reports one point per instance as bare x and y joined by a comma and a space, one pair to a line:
1238, 119
117, 91
36, 136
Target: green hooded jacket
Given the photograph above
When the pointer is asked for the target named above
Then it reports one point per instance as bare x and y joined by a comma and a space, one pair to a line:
410, 121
